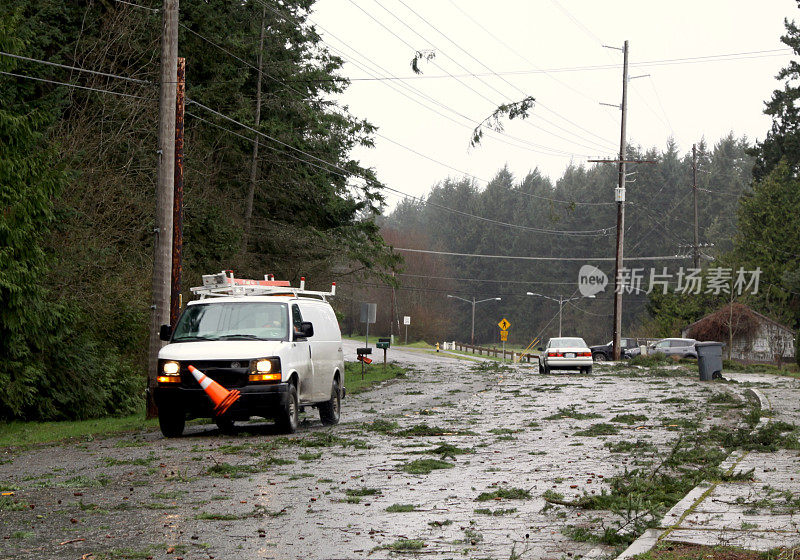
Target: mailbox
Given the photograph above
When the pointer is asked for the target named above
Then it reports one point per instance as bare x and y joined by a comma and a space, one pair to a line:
363, 351
384, 343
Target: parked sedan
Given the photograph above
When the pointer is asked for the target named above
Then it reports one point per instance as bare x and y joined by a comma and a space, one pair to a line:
681, 347
565, 353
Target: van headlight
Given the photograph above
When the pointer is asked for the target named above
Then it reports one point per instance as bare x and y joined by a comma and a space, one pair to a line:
265, 370
263, 366
171, 368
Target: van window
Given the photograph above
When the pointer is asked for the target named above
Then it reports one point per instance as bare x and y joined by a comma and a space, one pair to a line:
231, 321
297, 317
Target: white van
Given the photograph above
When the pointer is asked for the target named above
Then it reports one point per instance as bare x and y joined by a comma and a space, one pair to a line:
279, 346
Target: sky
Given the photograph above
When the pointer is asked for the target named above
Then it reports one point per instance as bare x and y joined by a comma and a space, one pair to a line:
488, 53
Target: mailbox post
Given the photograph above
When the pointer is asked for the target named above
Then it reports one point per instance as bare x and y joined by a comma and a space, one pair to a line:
384, 343
368, 315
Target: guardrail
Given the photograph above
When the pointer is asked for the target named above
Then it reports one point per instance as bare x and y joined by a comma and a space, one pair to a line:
496, 352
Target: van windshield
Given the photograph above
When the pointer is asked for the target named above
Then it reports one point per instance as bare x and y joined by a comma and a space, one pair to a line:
246, 320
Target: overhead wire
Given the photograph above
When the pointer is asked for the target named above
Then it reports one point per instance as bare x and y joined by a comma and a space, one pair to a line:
577, 233
494, 103
77, 68
73, 85
493, 73
530, 258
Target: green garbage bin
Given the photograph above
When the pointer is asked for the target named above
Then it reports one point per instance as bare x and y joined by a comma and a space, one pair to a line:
709, 360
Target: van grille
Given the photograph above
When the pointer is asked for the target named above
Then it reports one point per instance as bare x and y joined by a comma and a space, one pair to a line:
221, 371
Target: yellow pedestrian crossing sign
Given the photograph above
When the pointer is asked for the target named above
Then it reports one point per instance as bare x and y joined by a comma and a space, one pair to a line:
504, 324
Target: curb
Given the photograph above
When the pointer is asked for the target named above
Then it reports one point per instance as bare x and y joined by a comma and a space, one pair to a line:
696, 495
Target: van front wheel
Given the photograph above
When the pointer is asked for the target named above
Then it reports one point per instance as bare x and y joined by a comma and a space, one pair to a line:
171, 422
330, 411
289, 416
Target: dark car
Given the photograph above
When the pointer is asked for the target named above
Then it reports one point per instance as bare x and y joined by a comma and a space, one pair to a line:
604, 352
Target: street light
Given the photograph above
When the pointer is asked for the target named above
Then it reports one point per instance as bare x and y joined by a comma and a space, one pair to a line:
474, 303
561, 301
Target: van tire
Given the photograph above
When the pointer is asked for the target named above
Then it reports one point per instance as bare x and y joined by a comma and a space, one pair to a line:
289, 416
171, 422
330, 411
225, 425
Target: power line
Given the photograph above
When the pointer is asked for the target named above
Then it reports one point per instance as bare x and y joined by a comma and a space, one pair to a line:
548, 73
138, 6
577, 233
47, 62
458, 79
388, 77
658, 62
465, 51
511, 257
491, 281
73, 85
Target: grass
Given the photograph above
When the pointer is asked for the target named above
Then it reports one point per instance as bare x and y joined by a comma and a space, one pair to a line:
504, 494
572, 412
424, 430
403, 545
19, 433
7, 504
626, 446
373, 375
651, 360
678, 551
640, 496
226, 470
496, 512
364, 491
629, 419
600, 429
425, 466
217, 516
401, 508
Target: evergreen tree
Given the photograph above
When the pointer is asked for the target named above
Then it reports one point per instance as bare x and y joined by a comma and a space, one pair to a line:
783, 139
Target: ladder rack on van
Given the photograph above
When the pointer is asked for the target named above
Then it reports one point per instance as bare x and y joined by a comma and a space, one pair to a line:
224, 285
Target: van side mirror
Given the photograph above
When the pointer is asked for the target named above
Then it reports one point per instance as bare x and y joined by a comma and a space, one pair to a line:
306, 330
165, 332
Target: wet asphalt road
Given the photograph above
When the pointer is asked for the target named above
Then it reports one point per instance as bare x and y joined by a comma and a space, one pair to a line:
345, 492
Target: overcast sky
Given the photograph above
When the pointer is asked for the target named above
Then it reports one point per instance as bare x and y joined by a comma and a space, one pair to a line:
487, 53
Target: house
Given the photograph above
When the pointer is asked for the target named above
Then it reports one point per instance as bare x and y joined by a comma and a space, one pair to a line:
753, 337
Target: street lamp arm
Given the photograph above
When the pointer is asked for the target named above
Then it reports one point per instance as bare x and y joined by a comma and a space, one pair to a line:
545, 297
461, 298
488, 299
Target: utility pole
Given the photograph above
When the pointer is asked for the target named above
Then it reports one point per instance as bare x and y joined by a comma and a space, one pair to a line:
248, 213
620, 198
177, 209
696, 247
560, 308
164, 192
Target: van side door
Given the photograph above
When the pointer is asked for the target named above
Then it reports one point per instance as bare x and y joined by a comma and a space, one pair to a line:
300, 355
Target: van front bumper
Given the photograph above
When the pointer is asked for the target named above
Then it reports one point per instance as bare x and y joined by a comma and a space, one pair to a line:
254, 400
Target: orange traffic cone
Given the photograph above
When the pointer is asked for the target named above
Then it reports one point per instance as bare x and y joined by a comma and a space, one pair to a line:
223, 399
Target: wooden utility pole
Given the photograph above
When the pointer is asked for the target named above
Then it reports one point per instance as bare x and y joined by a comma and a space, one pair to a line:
620, 198
248, 213
177, 208
696, 247
162, 260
